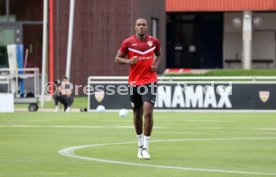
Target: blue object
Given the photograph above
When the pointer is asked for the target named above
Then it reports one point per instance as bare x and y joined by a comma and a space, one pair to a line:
19, 56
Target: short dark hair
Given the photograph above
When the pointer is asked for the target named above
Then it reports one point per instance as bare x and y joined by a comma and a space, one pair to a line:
140, 18
57, 82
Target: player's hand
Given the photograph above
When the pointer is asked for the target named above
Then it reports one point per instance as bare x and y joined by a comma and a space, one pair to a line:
133, 60
153, 68
68, 92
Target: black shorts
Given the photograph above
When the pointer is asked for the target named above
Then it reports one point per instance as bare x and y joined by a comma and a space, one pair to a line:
140, 94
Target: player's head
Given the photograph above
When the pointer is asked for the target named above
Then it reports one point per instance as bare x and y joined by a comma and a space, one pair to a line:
65, 79
141, 27
57, 82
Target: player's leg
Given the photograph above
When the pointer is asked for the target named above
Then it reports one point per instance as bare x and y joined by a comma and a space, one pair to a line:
137, 107
69, 100
63, 100
148, 124
138, 124
148, 105
138, 120
148, 118
148, 99
56, 99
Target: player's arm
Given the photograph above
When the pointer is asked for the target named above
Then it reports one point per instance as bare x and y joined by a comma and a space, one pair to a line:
59, 89
120, 59
157, 60
68, 92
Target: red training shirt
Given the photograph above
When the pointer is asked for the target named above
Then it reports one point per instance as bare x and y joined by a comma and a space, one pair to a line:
140, 73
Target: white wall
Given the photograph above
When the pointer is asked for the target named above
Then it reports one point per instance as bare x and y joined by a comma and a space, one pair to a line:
263, 44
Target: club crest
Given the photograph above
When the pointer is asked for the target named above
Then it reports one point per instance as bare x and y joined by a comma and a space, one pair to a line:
150, 43
99, 95
264, 96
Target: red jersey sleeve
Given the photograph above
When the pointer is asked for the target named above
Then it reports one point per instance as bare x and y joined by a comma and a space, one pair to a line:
158, 48
124, 46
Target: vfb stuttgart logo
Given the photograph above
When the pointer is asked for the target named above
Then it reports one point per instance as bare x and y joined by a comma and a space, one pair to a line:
264, 96
99, 95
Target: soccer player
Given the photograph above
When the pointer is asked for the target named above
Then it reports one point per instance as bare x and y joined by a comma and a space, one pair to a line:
66, 92
142, 53
57, 94
64, 95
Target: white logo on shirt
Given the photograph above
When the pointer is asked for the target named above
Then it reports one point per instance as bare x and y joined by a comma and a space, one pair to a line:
150, 43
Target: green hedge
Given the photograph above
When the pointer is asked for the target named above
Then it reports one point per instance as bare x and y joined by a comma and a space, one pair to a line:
231, 72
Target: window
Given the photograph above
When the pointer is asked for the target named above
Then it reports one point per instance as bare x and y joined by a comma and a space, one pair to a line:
2, 10
154, 27
26, 10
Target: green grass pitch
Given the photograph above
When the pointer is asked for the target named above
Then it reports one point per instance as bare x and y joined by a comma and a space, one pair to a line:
182, 145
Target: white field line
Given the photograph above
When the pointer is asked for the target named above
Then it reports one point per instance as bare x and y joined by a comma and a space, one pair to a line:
266, 129
179, 132
68, 126
212, 128
117, 121
226, 128
69, 152
213, 121
64, 126
266, 133
126, 127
